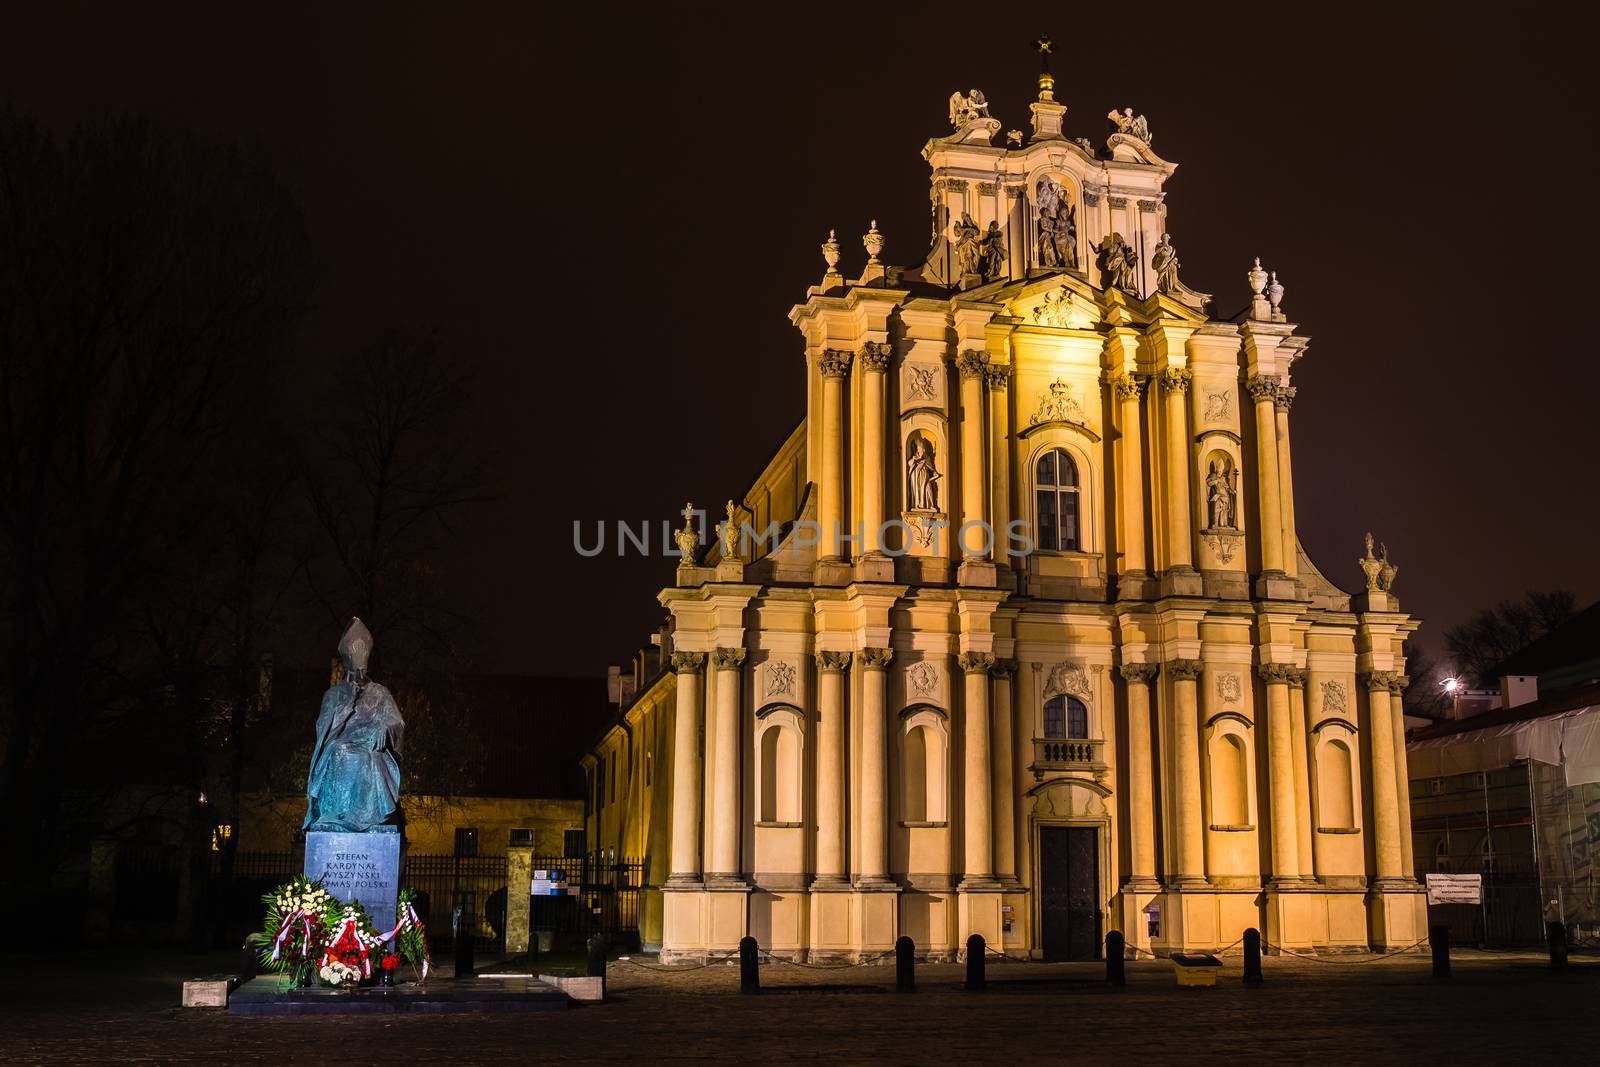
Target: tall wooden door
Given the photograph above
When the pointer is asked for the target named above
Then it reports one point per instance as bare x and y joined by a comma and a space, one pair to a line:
1069, 892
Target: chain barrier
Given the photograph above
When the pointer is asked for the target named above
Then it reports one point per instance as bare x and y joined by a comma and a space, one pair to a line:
1380, 957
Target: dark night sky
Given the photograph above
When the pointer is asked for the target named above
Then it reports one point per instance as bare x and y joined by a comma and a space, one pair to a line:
616, 214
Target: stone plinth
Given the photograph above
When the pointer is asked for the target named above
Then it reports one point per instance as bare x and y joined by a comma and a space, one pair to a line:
360, 867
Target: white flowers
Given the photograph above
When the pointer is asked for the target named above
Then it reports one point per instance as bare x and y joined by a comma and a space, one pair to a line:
336, 973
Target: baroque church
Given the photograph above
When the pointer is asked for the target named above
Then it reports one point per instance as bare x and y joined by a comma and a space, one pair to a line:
1014, 634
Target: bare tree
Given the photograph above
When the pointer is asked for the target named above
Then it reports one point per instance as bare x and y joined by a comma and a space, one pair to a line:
147, 286
1480, 645
397, 457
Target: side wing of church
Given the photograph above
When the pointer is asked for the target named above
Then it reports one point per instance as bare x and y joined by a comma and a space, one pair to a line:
1015, 636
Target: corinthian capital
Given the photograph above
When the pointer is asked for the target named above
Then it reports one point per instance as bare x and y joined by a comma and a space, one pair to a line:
688, 662
975, 662
998, 378
875, 356
833, 662
1284, 398
834, 363
1263, 387
972, 363
1003, 668
876, 659
1184, 670
1276, 673
728, 659
1176, 379
1129, 386
1381, 681
1142, 673
1398, 684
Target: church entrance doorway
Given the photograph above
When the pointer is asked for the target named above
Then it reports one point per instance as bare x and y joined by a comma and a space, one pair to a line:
1069, 892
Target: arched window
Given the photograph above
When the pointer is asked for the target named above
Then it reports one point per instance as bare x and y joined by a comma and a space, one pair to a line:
1065, 717
1336, 807
1230, 782
1055, 480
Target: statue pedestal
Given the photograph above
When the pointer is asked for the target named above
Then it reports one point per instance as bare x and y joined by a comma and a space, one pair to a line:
360, 867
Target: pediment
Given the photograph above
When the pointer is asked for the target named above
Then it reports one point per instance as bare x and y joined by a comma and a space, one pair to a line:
1061, 301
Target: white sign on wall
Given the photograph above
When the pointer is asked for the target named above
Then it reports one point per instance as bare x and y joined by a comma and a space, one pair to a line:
1455, 888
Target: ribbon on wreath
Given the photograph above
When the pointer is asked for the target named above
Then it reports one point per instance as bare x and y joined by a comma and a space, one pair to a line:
409, 917
348, 925
302, 916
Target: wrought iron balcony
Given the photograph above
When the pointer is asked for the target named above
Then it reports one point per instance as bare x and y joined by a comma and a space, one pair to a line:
1067, 754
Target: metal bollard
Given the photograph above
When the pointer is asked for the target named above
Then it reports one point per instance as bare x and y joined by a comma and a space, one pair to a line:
975, 953
749, 966
461, 930
1115, 964
1252, 956
1439, 936
1556, 935
905, 965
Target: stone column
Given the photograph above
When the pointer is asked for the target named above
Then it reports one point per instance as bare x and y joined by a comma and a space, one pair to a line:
835, 367
1180, 548
972, 365
874, 862
1280, 761
1141, 788
1387, 850
1402, 774
999, 460
1188, 812
1281, 401
686, 768
1005, 782
1302, 770
831, 666
977, 833
875, 358
1131, 489
1264, 391
724, 864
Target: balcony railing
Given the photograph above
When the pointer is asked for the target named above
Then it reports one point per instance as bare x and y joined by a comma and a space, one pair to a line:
1067, 754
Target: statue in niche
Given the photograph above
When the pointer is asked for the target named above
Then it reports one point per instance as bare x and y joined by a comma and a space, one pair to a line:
994, 253
353, 785
1130, 125
1222, 493
1164, 261
969, 108
966, 233
1058, 228
1118, 263
922, 477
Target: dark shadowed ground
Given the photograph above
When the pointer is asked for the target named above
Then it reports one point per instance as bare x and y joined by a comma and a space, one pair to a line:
1498, 1008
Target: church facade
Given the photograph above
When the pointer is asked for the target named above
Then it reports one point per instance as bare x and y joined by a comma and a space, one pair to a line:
1014, 635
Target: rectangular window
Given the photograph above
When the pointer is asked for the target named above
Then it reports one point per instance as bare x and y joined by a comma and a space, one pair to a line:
613, 782
600, 786
572, 844
466, 841
219, 836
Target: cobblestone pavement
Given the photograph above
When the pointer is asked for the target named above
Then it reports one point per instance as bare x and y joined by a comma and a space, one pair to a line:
1496, 1008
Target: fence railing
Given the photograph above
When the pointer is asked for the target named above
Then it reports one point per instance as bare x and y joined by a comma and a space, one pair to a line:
1063, 754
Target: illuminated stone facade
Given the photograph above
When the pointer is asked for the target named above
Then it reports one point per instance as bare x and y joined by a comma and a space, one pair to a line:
1162, 719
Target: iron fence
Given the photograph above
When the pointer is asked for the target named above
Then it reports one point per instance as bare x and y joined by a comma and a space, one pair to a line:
606, 900
475, 884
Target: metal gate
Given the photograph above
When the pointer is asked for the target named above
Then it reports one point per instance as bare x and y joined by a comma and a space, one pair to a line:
606, 900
